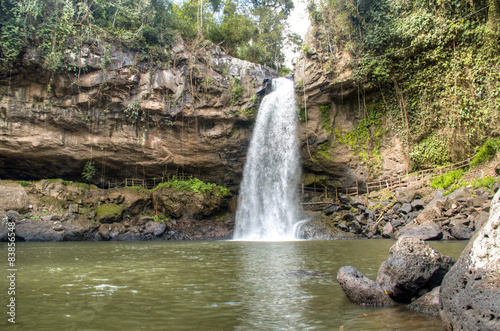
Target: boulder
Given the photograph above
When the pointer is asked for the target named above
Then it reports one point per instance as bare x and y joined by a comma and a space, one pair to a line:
460, 195
37, 230
470, 292
13, 197
427, 304
460, 231
362, 290
406, 208
388, 230
155, 228
412, 269
429, 230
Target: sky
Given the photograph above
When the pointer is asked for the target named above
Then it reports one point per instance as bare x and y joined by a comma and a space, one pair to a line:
299, 23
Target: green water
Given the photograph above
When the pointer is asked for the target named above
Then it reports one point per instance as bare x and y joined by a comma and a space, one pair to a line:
218, 285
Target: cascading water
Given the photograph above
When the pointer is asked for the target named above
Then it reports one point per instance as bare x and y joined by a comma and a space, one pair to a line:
268, 204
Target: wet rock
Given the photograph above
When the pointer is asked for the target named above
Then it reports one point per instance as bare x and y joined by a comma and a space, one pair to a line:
30, 230
80, 229
361, 290
470, 293
412, 269
426, 231
427, 304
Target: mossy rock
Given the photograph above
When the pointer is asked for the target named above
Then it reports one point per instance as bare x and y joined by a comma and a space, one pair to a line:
109, 213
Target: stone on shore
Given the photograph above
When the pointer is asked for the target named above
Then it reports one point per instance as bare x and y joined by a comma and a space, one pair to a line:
427, 304
360, 289
412, 269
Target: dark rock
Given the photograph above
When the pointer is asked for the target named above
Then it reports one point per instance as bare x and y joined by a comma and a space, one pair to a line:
417, 204
479, 219
411, 216
80, 229
412, 269
396, 208
331, 209
427, 231
406, 208
427, 304
470, 292
460, 231
361, 290
30, 230
397, 222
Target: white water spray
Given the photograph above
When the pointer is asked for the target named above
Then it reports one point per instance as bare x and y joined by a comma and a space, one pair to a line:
268, 204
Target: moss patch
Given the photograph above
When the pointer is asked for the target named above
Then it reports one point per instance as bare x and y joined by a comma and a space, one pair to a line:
108, 213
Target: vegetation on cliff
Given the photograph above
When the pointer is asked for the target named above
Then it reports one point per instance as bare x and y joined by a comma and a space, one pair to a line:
252, 30
433, 64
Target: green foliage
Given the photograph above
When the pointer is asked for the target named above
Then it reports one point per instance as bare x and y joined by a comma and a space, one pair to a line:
134, 111
325, 118
447, 179
431, 152
486, 152
323, 150
486, 182
434, 64
236, 91
194, 185
89, 171
24, 183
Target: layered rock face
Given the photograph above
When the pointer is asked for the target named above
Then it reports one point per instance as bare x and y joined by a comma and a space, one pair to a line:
192, 115
341, 144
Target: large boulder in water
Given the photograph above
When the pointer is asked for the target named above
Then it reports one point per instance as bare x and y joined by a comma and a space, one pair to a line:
470, 293
412, 269
362, 290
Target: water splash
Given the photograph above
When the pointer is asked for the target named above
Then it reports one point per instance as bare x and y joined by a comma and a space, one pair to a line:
268, 204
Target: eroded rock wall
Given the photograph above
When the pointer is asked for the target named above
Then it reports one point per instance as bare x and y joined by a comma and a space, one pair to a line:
192, 115
341, 144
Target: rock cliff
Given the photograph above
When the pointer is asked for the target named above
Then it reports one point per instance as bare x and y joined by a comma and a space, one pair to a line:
191, 115
345, 135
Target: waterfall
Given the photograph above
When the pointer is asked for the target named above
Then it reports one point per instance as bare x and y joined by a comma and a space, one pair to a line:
268, 202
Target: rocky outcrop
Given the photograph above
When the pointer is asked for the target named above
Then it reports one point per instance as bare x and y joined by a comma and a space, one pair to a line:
192, 115
13, 197
422, 214
333, 107
412, 269
470, 293
362, 290
63, 211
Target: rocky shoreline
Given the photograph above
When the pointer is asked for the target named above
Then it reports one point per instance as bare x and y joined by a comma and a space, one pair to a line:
464, 293
55, 210
422, 213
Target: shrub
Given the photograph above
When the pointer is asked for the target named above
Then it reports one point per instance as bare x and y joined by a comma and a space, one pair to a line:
486, 152
448, 179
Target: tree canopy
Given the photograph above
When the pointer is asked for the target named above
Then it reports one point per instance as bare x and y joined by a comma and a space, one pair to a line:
249, 29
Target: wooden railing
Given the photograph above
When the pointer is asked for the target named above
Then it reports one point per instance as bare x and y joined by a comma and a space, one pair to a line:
418, 177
